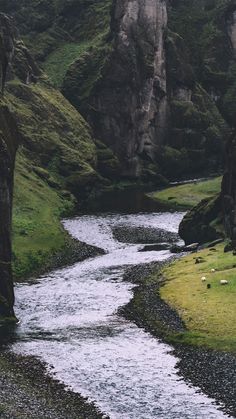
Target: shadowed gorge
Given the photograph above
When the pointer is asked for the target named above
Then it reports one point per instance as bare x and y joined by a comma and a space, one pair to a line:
9, 140
117, 209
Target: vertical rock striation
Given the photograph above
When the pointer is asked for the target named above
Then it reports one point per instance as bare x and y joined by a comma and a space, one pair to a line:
8, 145
8, 136
229, 179
137, 106
127, 105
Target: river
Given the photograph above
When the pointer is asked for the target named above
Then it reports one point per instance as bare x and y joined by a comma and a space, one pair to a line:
69, 319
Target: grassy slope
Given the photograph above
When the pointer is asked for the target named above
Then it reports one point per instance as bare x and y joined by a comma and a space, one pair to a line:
56, 143
37, 231
210, 315
188, 195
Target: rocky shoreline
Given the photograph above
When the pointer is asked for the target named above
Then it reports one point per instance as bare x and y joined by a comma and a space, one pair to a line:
212, 371
29, 392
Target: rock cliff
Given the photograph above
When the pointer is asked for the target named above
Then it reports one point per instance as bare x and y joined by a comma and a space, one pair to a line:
140, 94
128, 107
8, 144
143, 75
229, 179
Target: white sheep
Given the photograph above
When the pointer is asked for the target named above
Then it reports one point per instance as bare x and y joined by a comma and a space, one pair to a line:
224, 282
213, 270
203, 278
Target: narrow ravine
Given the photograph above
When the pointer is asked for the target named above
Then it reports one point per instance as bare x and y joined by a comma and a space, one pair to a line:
69, 319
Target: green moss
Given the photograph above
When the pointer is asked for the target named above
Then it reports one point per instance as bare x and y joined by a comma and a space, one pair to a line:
188, 195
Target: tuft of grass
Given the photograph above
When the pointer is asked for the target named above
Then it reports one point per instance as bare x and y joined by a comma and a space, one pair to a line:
209, 314
188, 195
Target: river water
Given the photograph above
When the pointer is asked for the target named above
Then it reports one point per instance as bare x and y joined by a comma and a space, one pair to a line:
69, 319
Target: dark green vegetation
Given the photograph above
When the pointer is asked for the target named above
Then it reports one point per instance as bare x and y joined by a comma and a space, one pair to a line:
59, 31
205, 27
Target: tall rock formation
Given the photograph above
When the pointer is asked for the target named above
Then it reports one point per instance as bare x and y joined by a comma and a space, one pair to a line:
218, 70
128, 106
139, 92
8, 146
229, 179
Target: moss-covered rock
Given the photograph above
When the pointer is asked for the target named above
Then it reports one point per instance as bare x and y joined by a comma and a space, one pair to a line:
203, 223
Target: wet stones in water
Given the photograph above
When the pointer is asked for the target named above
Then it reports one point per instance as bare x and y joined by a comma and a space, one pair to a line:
158, 247
143, 235
190, 248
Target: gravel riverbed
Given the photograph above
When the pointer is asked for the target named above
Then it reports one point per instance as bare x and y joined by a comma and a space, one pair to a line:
27, 391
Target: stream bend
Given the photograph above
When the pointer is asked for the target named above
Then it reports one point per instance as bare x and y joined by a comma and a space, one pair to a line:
69, 319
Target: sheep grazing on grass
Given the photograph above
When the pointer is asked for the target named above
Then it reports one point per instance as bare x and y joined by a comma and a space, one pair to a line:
213, 270
203, 278
224, 282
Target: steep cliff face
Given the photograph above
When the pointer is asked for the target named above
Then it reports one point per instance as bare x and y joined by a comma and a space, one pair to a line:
229, 179
8, 144
220, 74
128, 106
140, 93
135, 76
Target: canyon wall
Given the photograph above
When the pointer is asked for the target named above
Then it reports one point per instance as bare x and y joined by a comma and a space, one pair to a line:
8, 144
128, 107
139, 92
229, 179
130, 68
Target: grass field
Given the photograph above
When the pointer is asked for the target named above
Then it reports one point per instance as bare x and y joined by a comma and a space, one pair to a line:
209, 314
188, 195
